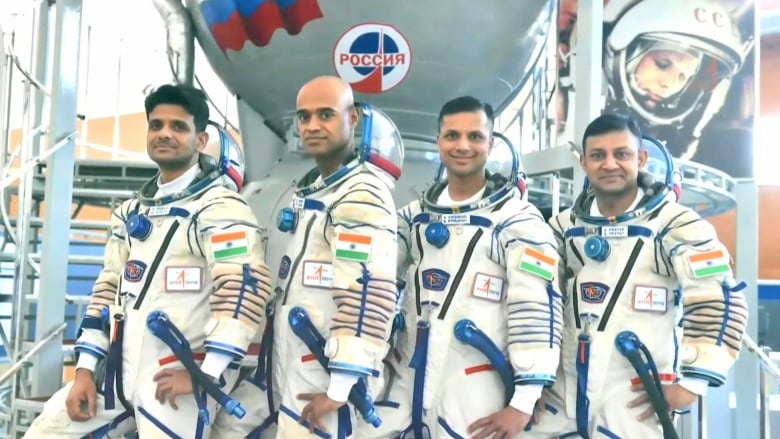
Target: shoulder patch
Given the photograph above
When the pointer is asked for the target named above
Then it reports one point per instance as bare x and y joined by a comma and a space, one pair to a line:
435, 279
537, 263
353, 247
284, 267
593, 292
710, 263
229, 244
134, 270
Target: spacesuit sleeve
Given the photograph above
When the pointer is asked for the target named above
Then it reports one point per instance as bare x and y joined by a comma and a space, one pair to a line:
714, 308
404, 259
92, 343
534, 303
557, 229
364, 245
231, 241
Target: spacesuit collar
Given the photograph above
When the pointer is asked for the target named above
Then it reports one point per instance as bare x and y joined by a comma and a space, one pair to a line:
207, 174
653, 194
497, 188
311, 181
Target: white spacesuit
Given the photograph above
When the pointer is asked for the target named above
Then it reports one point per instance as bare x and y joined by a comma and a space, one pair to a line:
479, 279
652, 285
191, 249
338, 266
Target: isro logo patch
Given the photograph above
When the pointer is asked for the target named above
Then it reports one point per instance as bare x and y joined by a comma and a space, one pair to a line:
284, 267
593, 292
434, 279
134, 270
372, 57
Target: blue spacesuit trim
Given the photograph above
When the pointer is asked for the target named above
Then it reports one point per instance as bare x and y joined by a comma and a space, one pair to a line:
246, 281
365, 278
352, 369
607, 433
158, 424
295, 416
444, 425
89, 322
715, 379
83, 347
234, 351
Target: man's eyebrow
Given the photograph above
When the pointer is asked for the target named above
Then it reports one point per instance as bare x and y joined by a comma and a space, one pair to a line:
307, 111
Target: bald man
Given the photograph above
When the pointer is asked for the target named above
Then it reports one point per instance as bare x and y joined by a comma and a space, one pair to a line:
339, 266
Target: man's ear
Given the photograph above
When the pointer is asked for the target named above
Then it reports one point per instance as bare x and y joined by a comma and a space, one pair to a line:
643, 156
582, 160
203, 140
354, 116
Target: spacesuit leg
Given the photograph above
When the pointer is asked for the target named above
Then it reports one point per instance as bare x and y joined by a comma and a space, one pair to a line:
394, 402
303, 374
156, 420
553, 422
254, 399
54, 423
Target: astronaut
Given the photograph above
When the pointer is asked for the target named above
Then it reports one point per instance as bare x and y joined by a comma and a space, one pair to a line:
481, 310
671, 74
188, 246
652, 315
340, 234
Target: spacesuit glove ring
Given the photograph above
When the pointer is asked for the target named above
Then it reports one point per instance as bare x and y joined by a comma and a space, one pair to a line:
318, 407
505, 423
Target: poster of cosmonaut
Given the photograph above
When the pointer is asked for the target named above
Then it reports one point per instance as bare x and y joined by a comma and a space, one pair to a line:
684, 69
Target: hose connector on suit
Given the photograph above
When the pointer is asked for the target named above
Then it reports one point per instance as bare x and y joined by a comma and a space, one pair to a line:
163, 328
467, 332
629, 345
306, 331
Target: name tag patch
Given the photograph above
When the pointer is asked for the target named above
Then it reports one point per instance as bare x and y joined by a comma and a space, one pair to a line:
488, 287
654, 299
317, 274
183, 279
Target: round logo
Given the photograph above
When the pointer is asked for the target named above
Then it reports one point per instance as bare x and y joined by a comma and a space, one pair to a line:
372, 57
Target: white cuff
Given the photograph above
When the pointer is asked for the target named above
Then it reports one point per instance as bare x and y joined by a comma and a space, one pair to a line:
340, 385
214, 363
694, 385
525, 398
87, 361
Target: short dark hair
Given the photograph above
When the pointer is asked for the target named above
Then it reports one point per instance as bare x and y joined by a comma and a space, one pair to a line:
609, 123
193, 100
465, 104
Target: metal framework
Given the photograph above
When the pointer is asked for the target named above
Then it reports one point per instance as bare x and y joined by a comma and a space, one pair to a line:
37, 346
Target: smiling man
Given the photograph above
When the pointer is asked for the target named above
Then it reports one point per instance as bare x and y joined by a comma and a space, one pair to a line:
647, 282
189, 246
337, 240
471, 249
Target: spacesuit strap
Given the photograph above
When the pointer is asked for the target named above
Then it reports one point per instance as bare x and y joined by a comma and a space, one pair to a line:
625, 274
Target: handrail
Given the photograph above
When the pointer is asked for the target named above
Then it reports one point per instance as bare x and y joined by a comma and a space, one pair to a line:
762, 357
29, 166
33, 350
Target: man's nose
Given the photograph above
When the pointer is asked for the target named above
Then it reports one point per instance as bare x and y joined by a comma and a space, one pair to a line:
462, 145
610, 163
312, 125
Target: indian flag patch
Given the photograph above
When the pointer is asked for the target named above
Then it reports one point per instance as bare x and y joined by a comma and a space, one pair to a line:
708, 263
353, 247
228, 245
537, 263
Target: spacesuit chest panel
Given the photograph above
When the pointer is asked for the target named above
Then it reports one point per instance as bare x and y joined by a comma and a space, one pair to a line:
624, 286
306, 264
463, 279
167, 259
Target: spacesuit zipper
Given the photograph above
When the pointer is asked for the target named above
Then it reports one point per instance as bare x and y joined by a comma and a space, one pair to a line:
459, 275
297, 259
156, 264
